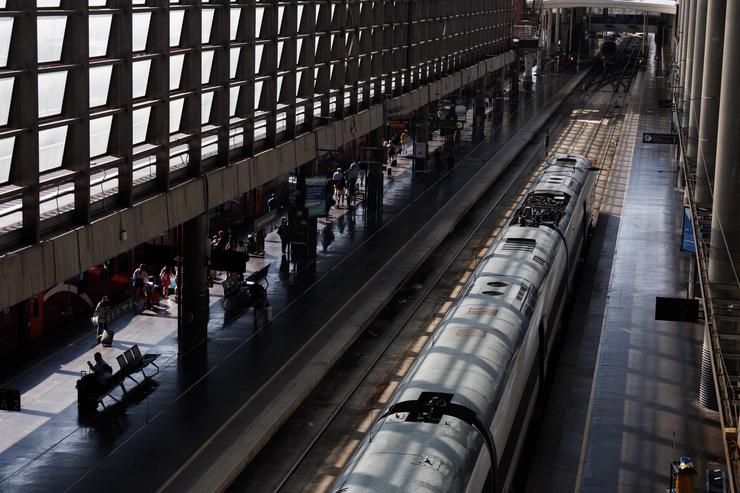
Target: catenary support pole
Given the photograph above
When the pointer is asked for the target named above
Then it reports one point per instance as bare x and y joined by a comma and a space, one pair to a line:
710, 92
724, 261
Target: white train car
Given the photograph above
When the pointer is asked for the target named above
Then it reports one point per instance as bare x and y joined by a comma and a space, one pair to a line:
467, 402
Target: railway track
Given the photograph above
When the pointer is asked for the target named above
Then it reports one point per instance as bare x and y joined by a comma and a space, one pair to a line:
338, 413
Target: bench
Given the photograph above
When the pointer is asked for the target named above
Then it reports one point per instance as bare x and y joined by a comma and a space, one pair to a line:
131, 362
233, 284
257, 276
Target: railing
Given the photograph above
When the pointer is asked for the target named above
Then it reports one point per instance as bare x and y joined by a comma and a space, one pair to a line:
728, 412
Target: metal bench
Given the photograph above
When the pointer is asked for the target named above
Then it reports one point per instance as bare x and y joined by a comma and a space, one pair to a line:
233, 284
131, 363
260, 275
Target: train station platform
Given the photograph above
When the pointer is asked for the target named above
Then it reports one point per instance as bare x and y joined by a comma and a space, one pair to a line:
624, 401
211, 407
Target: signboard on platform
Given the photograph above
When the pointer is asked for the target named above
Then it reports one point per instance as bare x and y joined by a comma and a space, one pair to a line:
316, 196
653, 138
10, 400
677, 309
687, 233
398, 124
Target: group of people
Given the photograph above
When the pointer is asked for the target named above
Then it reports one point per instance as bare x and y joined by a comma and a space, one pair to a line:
344, 183
397, 146
151, 288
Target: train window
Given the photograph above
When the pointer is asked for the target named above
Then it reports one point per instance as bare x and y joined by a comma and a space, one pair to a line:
493, 293
539, 260
565, 161
498, 284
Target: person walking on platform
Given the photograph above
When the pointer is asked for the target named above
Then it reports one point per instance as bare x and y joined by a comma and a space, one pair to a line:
138, 279
272, 203
338, 181
283, 233
405, 139
352, 174
102, 316
165, 276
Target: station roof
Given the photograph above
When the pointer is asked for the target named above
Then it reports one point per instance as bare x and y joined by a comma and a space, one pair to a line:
660, 6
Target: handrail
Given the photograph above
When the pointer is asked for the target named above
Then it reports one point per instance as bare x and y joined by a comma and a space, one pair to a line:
722, 382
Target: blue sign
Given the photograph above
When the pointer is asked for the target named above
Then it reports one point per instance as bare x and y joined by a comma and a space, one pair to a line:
316, 196
687, 233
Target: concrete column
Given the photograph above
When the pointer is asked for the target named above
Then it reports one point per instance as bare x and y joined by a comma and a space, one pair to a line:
696, 78
193, 326
684, 7
421, 139
710, 89
528, 72
374, 180
557, 31
724, 262
691, 28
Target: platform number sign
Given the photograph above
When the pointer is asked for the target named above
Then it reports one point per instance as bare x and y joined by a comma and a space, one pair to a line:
10, 400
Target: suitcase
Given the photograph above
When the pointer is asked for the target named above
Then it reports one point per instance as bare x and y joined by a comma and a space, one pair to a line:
107, 339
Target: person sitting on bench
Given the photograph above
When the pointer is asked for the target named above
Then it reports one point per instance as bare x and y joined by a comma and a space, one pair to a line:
100, 369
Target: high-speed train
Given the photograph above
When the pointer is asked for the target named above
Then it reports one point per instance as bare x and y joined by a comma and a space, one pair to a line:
458, 420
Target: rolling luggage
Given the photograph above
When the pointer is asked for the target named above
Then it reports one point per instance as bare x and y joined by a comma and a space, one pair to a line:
107, 339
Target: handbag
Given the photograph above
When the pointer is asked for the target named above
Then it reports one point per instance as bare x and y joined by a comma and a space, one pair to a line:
94, 320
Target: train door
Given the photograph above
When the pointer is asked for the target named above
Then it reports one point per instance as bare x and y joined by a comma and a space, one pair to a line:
35, 316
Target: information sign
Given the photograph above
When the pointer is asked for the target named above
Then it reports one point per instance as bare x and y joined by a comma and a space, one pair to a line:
316, 196
653, 138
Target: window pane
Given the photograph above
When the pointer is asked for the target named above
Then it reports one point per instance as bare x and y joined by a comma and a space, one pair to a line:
99, 84
206, 24
6, 29
176, 62
234, 62
50, 38
206, 102
6, 93
206, 64
51, 93
233, 100
140, 124
140, 73
140, 30
99, 135
236, 14
259, 14
6, 155
99, 34
257, 94
176, 106
176, 18
51, 148
258, 49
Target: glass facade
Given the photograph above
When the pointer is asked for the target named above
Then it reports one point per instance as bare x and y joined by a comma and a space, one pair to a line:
105, 102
